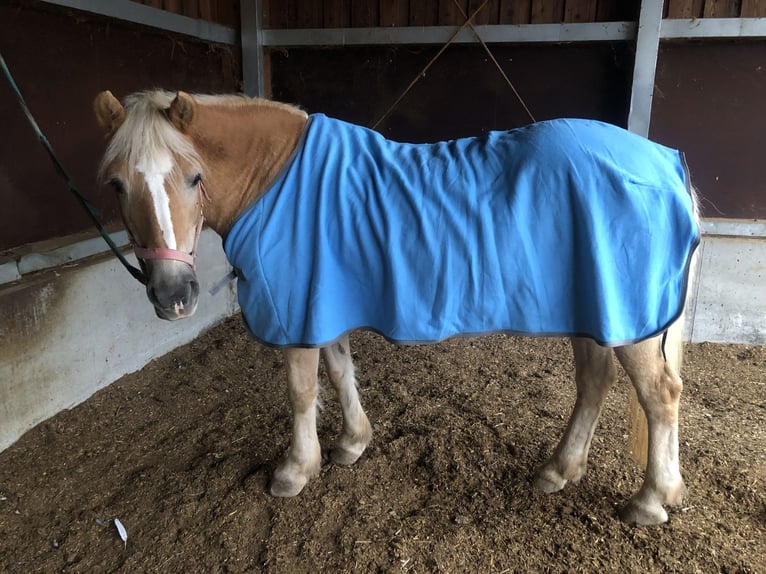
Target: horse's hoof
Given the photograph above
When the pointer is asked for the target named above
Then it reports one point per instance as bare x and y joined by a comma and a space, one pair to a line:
549, 481
351, 445
344, 456
643, 514
286, 487
677, 495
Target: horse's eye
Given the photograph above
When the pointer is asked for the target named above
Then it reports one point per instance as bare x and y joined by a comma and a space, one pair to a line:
196, 180
117, 185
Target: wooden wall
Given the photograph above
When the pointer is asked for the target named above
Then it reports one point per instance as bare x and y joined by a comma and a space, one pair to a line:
708, 99
462, 94
61, 59
715, 8
703, 93
375, 13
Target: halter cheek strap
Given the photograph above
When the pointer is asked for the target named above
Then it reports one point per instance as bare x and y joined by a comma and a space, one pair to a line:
145, 253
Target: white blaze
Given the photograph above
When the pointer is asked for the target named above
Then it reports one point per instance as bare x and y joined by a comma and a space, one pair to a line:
155, 171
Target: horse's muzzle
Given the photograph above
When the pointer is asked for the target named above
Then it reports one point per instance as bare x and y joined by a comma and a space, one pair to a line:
174, 297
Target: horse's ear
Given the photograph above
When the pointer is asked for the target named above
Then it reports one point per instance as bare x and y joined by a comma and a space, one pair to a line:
109, 112
181, 111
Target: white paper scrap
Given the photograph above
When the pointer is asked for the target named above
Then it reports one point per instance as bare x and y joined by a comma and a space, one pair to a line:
122, 531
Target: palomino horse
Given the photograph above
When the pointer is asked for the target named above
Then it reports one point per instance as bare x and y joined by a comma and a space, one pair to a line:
564, 228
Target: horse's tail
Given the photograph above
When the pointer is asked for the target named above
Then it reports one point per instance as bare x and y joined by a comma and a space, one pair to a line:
680, 331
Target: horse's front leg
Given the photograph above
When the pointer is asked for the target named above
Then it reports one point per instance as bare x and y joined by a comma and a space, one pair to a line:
304, 457
357, 432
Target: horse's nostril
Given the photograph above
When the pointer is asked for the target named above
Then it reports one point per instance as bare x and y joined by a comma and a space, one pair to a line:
173, 296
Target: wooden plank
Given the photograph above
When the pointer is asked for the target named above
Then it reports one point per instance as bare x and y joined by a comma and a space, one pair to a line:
547, 11
619, 10
683, 9
337, 13
266, 14
308, 14
279, 14
580, 11
365, 14
424, 13
722, 8
605, 12
152, 3
191, 8
449, 14
227, 13
753, 9
515, 11
394, 12
206, 10
172, 6
490, 14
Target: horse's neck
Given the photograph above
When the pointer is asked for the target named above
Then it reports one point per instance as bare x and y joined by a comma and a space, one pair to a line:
244, 148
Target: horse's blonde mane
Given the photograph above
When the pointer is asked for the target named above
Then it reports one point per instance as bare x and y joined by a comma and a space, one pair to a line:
147, 133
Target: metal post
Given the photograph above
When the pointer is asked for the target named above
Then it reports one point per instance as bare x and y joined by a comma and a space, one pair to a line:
645, 66
252, 47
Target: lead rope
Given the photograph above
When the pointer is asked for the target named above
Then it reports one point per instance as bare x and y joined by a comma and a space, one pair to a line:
92, 212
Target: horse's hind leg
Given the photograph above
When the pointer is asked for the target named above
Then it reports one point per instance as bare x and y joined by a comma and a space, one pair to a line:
658, 388
357, 432
595, 375
304, 457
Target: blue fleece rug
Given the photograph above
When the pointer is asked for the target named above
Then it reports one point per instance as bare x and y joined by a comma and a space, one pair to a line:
561, 228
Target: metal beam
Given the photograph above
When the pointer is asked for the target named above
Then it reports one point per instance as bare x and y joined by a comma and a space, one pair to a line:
252, 47
510, 34
644, 67
714, 28
417, 35
155, 18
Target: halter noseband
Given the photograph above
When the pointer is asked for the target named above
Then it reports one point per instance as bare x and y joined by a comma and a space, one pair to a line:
144, 253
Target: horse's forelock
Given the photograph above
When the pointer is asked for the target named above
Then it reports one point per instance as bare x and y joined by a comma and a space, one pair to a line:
146, 135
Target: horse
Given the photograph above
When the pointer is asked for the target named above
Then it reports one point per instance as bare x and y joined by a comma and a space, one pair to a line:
574, 228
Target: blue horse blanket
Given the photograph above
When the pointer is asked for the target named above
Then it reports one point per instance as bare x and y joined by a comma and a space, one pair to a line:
562, 228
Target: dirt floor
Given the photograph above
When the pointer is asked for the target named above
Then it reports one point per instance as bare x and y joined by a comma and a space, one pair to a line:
181, 453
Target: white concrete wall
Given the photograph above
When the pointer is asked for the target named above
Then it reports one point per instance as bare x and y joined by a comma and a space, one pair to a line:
70, 331
730, 302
